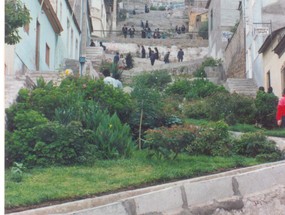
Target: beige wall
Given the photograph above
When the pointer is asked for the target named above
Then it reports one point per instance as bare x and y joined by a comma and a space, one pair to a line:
273, 64
9, 60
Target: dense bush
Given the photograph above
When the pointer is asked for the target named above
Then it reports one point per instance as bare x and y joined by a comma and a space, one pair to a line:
157, 79
266, 104
232, 108
169, 142
196, 109
62, 125
48, 144
194, 89
213, 139
257, 145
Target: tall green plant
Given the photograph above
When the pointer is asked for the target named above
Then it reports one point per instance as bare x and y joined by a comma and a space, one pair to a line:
113, 139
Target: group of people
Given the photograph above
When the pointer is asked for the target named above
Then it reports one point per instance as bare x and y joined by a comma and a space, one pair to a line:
180, 29
154, 55
146, 31
92, 44
128, 31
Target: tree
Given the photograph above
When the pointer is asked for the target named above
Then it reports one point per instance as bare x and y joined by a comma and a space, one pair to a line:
16, 15
203, 30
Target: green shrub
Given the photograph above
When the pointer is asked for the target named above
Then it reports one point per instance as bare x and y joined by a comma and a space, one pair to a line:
196, 109
180, 87
232, 108
161, 8
148, 111
266, 104
201, 88
157, 79
29, 119
200, 72
49, 144
17, 171
194, 89
213, 139
169, 142
113, 139
256, 144
47, 100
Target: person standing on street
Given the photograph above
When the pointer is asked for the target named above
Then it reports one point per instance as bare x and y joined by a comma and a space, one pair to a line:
125, 30
132, 31
280, 114
149, 52
143, 52
166, 57
156, 53
116, 58
152, 57
180, 55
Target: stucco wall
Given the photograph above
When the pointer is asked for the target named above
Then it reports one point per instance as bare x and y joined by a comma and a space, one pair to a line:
273, 64
25, 50
234, 64
225, 15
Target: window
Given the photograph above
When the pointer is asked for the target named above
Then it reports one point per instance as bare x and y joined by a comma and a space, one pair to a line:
27, 26
268, 79
47, 54
76, 48
71, 44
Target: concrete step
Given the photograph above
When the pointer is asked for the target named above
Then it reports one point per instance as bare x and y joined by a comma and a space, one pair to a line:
241, 86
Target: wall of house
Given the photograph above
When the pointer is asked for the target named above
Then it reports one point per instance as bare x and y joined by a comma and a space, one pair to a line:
273, 64
225, 16
263, 11
68, 42
234, 64
25, 50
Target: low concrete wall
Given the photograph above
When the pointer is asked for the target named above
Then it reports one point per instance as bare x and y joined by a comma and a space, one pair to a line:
180, 197
193, 196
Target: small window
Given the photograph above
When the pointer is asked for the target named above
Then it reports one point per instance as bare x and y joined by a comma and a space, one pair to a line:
47, 54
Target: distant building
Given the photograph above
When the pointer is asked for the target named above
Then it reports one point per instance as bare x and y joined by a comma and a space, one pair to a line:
222, 16
273, 56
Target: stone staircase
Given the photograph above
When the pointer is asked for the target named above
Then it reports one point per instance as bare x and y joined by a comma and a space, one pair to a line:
241, 86
96, 55
14, 83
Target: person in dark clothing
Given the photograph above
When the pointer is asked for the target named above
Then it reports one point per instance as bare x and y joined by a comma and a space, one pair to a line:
152, 57
270, 90
183, 29
92, 43
146, 9
142, 24
125, 31
149, 52
101, 45
166, 57
129, 61
116, 58
132, 31
143, 52
156, 53
143, 33
180, 55
146, 24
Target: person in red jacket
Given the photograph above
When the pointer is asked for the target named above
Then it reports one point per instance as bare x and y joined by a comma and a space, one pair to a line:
280, 114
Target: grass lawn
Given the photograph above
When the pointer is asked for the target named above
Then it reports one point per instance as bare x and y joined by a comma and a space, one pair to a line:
276, 132
42, 185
